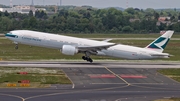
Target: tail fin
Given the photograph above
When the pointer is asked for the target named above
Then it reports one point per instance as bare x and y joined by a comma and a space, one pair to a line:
160, 43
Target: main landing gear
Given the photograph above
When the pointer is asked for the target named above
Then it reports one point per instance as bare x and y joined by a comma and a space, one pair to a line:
87, 57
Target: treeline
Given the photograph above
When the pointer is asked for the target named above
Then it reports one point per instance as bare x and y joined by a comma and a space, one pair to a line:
92, 21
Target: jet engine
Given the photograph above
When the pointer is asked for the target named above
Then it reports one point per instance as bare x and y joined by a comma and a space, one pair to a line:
69, 50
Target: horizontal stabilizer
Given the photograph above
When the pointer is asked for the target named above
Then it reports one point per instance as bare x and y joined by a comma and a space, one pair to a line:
107, 40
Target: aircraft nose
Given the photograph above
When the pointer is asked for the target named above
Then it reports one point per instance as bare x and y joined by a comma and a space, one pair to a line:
7, 35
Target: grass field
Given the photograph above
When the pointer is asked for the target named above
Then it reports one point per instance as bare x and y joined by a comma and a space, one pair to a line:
38, 77
172, 73
170, 99
25, 52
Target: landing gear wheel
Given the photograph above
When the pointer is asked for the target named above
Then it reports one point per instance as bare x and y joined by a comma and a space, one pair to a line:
84, 58
90, 60
87, 59
16, 47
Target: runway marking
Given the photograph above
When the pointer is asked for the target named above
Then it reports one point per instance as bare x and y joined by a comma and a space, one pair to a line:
113, 76
133, 76
117, 76
102, 76
154, 87
13, 96
53, 94
150, 83
105, 83
144, 97
120, 99
73, 85
132, 83
110, 88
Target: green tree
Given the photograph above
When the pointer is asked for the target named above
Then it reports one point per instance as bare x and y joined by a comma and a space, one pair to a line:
31, 13
179, 16
136, 25
71, 22
172, 18
6, 14
176, 27
37, 14
127, 29
5, 24
156, 15
162, 26
32, 22
1, 14
25, 23
130, 11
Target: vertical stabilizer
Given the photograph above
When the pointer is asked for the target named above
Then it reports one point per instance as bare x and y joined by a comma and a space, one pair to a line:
160, 43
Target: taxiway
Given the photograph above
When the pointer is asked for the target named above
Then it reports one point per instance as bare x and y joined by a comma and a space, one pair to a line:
110, 81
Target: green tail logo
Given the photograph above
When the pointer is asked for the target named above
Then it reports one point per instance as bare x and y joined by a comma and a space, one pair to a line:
160, 43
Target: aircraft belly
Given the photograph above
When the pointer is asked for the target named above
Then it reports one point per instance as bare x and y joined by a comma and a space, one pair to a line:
126, 54
52, 44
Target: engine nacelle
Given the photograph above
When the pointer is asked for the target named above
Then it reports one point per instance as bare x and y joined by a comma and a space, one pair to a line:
69, 50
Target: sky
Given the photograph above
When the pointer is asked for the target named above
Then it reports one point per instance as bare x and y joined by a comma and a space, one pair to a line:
142, 4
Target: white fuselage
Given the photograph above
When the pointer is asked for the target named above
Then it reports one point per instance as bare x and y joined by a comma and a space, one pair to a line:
57, 41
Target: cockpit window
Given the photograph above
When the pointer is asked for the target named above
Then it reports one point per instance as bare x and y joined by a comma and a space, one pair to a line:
10, 34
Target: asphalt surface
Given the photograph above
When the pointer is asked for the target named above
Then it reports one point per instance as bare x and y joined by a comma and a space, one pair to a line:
117, 81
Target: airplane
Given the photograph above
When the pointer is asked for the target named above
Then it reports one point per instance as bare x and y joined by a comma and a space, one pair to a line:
73, 45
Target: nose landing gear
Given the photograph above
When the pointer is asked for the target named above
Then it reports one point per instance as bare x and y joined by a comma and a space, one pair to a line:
16, 47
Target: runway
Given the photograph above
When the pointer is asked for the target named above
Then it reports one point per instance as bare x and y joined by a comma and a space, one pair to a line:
96, 64
110, 81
